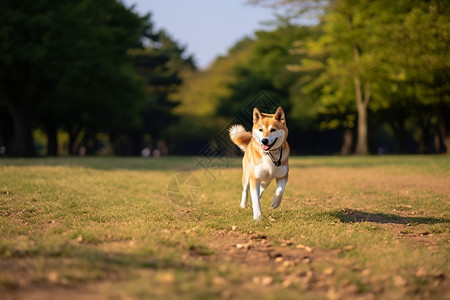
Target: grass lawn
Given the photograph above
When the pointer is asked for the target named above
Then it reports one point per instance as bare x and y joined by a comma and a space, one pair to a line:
128, 228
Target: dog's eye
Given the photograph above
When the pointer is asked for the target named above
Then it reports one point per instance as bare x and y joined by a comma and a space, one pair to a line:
260, 129
272, 130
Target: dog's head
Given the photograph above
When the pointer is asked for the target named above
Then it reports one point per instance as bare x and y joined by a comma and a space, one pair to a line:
269, 130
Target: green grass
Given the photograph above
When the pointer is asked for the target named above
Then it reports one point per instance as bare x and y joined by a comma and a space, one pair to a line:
378, 228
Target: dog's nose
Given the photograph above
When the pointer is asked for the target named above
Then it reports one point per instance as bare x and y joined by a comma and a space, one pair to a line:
265, 141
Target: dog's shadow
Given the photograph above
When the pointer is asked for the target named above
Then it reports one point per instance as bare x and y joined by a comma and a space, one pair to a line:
357, 216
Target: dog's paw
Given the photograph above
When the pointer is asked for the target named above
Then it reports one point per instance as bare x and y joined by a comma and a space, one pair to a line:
243, 205
276, 201
257, 218
275, 205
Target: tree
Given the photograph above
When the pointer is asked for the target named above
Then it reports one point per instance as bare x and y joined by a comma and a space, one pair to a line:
202, 89
322, 99
264, 70
423, 43
351, 35
199, 96
413, 58
349, 46
65, 63
160, 64
396, 61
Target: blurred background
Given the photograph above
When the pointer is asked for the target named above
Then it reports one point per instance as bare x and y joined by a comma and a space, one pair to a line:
101, 77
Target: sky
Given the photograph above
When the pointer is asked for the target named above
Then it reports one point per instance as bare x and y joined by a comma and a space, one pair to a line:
208, 28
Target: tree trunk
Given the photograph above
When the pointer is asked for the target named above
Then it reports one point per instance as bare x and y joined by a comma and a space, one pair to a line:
52, 141
400, 133
444, 126
22, 141
425, 126
73, 136
347, 141
437, 143
400, 139
446, 141
361, 104
361, 144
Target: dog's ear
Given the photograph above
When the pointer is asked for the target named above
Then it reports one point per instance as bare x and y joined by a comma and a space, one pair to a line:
256, 115
279, 115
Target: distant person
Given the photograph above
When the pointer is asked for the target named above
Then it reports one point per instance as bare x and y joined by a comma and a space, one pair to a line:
156, 153
82, 151
145, 152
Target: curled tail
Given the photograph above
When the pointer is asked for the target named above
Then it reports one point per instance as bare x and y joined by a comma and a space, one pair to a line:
239, 136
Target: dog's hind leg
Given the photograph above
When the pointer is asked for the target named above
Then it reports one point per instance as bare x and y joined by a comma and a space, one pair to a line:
256, 204
245, 184
281, 185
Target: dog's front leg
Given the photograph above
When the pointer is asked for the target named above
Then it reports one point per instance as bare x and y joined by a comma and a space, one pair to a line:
281, 185
255, 186
245, 184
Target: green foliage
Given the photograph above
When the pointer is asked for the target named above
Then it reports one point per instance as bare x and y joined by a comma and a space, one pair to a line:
362, 67
199, 97
65, 64
396, 57
160, 65
265, 69
84, 67
96, 67
201, 91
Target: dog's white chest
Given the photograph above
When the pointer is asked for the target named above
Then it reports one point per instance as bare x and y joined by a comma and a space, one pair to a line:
267, 170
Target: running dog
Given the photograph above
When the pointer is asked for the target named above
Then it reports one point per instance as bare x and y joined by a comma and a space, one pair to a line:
266, 157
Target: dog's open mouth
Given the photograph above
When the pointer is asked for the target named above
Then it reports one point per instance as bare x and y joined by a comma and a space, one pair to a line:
267, 147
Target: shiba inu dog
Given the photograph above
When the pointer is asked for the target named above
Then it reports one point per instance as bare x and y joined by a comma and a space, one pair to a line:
265, 158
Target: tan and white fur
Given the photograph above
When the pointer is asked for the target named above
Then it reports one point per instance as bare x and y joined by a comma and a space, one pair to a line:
266, 157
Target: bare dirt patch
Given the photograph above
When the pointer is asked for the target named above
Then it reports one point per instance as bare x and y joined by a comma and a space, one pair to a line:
286, 265
256, 249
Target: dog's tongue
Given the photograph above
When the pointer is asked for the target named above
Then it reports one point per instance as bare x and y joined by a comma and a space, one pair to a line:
264, 147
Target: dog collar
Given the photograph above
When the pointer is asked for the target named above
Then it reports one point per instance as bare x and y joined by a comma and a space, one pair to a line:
277, 163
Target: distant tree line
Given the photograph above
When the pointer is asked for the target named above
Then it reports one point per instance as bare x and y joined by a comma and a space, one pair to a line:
368, 77
367, 71
84, 67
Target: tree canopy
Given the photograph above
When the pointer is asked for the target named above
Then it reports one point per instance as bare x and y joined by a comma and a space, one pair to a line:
364, 64
69, 65
366, 77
